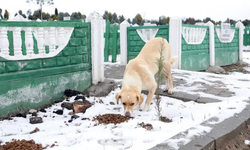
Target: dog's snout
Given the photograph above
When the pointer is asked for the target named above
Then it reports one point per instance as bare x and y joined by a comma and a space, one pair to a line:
127, 114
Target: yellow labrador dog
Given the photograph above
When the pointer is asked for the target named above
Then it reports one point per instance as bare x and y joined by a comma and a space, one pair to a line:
139, 75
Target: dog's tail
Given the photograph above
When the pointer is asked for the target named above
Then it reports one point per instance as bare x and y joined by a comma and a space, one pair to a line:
173, 59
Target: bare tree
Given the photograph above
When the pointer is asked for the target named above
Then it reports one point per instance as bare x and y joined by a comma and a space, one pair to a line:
40, 3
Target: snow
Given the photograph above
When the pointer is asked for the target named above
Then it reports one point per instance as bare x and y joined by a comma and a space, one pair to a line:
247, 142
83, 134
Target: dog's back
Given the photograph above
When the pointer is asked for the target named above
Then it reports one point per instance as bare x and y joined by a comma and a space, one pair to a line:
151, 52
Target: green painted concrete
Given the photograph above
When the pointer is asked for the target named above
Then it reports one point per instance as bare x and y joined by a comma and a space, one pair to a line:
26, 84
246, 36
195, 57
112, 41
227, 53
21, 95
135, 43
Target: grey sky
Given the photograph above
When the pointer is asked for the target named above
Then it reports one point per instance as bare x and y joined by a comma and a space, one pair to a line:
218, 10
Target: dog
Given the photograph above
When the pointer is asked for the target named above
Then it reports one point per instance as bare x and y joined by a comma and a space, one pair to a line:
139, 75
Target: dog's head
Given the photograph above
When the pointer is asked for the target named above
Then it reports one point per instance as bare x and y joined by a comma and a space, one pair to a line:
129, 99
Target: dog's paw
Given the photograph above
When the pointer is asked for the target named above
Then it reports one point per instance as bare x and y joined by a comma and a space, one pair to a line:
165, 90
170, 91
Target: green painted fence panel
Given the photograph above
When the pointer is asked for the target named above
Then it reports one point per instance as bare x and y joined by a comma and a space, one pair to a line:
26, 84
106, 36
112, 41
246, 36
227, 53
22, 95
195, 57
135, 43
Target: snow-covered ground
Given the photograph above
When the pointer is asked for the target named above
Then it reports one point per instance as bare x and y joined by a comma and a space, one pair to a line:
83, 134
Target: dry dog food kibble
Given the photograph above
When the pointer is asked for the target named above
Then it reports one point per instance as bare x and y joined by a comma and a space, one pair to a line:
110, 118
21, 145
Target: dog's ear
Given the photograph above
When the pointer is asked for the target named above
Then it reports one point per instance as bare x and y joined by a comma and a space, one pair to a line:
118, 96
140, 99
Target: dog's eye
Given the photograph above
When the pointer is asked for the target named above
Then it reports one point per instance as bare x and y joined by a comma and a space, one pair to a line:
132, 104
124, 104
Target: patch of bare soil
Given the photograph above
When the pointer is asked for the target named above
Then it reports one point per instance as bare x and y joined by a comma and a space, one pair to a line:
23, 145
110, 118
146, 126
238, 143
235, 68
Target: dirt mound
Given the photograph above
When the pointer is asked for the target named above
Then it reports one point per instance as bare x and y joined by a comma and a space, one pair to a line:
22, 145
110, 118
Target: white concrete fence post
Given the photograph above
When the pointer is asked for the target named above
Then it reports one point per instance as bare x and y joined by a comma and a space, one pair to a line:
211, 43
52, 40
97, 46
241, 33
123, 42
175, 29
17, 41
4, 42
41, 41
29, 42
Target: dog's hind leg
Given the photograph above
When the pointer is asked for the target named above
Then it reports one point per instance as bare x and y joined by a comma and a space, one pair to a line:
168, 78
150, 97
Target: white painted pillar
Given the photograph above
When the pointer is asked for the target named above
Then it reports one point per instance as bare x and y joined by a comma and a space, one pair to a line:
29, 42
52, 40
123, 42
4, 42
241, 33
97, 45
60, 40
211, 44
17, 40
175, 29
41, 41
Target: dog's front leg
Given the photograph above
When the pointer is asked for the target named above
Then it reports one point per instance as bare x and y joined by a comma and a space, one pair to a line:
150, 96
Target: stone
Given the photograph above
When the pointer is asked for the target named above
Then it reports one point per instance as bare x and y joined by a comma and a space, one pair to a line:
242, 63
215, 69
81, 108
67, 105
35, 130
59, 112
74, 117
81, 102
111, 103
101, 89
34, 114
80, 97
32, 111
36, 120
69, 92
43, 110
21, 114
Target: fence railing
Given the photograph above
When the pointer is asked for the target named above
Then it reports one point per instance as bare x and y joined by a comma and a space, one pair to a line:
28, 40
39, 60
197, 46
247, 38
112, 41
